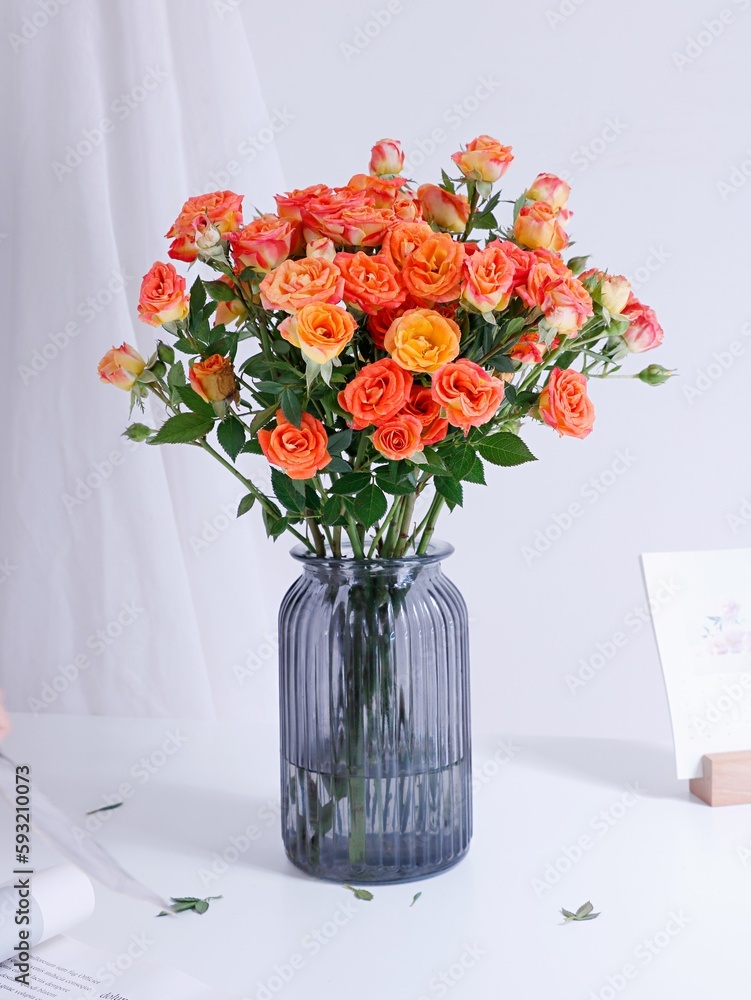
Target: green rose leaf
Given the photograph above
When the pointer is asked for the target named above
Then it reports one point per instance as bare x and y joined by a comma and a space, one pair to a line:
245, 504
450, 490
291, 407
182, 428
190, 398
505, 448
351, 482
460, 460
231, 435
339, 442
219, 291
289, 492
368, 506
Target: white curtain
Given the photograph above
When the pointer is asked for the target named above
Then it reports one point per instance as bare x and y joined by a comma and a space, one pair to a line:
126, 586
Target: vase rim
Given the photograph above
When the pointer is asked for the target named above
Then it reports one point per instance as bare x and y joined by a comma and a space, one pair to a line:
437, 551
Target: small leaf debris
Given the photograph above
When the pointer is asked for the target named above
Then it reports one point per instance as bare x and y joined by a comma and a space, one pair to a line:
583, 913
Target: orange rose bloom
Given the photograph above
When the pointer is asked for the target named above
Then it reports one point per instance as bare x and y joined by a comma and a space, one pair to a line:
347, 217
529, 349
403, 239
377, 392
422, 405
265, 243
537, 226
433, 272
382, 191
564, 403
298, 283
121, 366
214, 379
162, 298
488, 280
370, 282
300, 451
449, 211
223, 209
407, 207
291, 204
484, 159
399, 437
322, 247
469, 394
422, 340
320, 330
379, 322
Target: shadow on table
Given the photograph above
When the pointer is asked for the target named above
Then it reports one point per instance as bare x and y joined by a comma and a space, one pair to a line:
228, 830
612, 763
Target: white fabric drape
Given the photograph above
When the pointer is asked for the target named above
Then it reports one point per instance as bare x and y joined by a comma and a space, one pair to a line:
126, 587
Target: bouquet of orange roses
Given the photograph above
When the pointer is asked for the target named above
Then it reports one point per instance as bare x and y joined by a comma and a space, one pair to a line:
377, 342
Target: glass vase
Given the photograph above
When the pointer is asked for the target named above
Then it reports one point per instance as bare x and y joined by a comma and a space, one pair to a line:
375, 719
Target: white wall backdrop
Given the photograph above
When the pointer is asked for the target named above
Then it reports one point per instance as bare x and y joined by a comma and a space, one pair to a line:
643, 107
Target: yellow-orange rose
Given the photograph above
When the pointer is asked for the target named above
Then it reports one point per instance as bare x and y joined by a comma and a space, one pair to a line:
162, 298
121, 366
433, 272
552, 189
421, 340
298, 283
320, 330
214, 379
484, 159
449, 211
537, 227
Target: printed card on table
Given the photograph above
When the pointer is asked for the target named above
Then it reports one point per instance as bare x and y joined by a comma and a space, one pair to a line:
703, 631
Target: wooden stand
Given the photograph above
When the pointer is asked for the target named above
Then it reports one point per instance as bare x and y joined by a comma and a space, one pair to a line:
725, 780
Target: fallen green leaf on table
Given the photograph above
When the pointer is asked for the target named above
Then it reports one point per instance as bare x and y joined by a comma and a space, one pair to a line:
583, 913
360, 893
104, 809
180, 903
415, 898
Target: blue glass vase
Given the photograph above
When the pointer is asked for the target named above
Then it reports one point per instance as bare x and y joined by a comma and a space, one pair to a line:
375, 719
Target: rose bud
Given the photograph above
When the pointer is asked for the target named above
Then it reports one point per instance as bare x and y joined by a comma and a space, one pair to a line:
550, 188
386, 158
214, 379
322, 247
449, 211
484, 159
654, 375
207, 235
644, 331
121, 366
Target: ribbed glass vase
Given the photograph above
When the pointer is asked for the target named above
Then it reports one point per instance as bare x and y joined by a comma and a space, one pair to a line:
375, 728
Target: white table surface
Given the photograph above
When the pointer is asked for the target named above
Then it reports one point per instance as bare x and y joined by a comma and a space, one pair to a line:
671, 876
